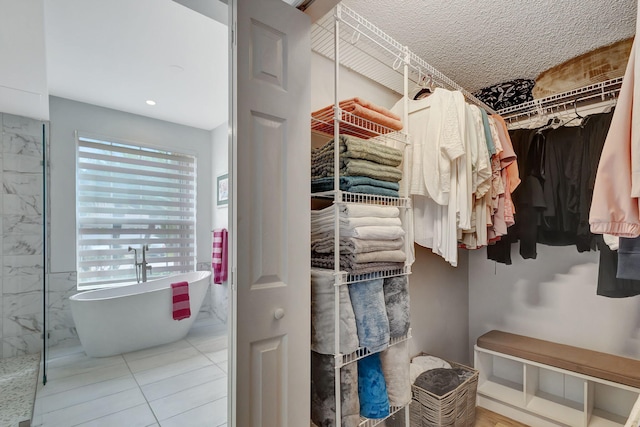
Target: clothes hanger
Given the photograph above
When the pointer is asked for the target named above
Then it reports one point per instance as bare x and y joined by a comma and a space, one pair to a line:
612, 104
426, 90
577, 115
553, 123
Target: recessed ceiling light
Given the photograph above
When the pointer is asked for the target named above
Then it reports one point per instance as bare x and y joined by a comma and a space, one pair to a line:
151, 102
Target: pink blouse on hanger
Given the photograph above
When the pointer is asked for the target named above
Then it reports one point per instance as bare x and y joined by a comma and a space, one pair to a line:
613, 208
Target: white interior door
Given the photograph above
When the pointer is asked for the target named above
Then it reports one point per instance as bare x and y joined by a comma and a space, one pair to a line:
270, 213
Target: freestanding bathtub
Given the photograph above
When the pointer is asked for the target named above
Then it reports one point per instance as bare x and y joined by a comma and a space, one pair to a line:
132, 317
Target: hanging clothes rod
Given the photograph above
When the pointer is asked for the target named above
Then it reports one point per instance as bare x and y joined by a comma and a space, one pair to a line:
369, 51
564, 102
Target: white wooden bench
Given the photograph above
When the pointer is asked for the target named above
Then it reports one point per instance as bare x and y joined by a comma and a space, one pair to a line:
542, 383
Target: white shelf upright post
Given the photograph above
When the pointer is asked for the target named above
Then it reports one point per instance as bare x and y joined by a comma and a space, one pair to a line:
336, 219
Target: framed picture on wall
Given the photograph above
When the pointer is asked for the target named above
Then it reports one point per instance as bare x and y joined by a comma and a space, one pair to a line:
223, 190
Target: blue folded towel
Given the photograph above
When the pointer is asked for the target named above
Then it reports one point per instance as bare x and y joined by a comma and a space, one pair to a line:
372, 388
372, 189
372, 323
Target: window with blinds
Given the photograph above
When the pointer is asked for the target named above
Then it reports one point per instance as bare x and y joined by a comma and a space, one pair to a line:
129, 196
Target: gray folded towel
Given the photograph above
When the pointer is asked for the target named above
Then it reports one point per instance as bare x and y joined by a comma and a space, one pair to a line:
322, 316
396, 297
323, 400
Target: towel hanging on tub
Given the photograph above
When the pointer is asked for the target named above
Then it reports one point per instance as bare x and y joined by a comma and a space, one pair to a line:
181, 305
219, 256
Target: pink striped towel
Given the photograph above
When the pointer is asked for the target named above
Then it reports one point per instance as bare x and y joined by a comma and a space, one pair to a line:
219, 256
181, 309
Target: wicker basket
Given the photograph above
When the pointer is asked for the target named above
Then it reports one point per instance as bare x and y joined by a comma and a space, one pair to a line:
454, 409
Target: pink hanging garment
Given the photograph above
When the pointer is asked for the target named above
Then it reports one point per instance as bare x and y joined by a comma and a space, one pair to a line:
219, 256
181, 306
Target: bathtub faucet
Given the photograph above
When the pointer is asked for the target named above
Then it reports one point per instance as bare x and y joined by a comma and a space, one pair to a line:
141, 267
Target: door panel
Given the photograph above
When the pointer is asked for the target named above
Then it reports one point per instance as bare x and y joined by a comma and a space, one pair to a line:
270, 213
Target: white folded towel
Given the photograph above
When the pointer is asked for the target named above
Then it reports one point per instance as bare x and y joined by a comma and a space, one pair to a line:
351, 210
328, 224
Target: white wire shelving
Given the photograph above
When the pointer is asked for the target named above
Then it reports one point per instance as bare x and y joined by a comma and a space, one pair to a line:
367, 422
362, 352
363, 198
346, 278
564, 103
350, 124
371, 52
351, 41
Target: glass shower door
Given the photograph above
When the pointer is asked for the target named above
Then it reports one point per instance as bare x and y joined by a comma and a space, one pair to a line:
45, 252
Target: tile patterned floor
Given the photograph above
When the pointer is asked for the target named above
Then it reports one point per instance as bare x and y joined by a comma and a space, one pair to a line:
179, 384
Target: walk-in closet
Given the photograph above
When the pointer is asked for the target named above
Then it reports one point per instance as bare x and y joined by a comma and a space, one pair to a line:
537, 275
429, 211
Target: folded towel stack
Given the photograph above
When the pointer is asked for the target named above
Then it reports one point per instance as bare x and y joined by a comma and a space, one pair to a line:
371, 238
365, 167
354, 110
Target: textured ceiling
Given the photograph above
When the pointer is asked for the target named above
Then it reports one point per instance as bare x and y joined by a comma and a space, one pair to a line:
480, 43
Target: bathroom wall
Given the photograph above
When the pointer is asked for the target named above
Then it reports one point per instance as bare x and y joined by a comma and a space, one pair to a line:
220, 215
21, 241
67, 116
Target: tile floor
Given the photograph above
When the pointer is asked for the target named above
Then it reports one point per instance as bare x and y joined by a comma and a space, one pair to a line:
179, 384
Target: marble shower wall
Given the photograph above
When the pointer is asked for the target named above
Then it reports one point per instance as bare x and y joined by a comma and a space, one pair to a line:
21, 241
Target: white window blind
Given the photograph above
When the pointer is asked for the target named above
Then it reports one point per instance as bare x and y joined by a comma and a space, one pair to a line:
131, 196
